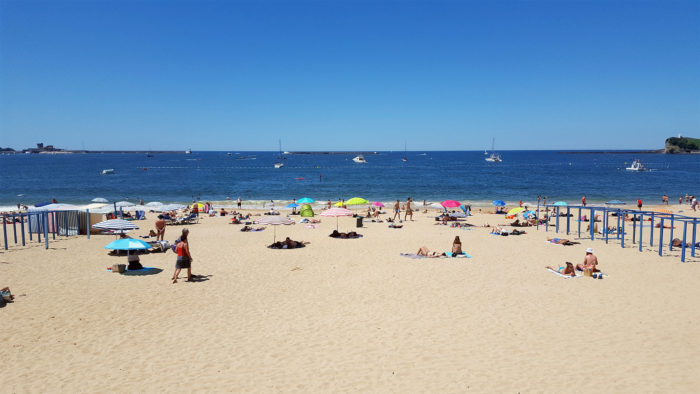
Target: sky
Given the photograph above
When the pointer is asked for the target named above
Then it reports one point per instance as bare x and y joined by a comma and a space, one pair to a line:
348, 75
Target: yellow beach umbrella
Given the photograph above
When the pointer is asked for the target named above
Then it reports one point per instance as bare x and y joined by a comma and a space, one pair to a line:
516, 210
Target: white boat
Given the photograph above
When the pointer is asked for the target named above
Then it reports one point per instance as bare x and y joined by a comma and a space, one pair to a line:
636, 166
493, 157
108, 171
404, 159
188, 152
279, 163
359, 159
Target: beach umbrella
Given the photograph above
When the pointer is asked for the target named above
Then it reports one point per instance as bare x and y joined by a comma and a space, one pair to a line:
337, 212
615, 202
450, 204
378, 204
436, 206
154, 204
124, 204
99, 199
275, 220
561, 204
499, 203
356, 201
292, 205
306, 200
128, 244
527, 214
169, 207
516, 210
115, 225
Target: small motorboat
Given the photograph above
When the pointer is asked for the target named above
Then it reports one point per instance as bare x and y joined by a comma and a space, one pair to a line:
637, 165
359, 159
108, 171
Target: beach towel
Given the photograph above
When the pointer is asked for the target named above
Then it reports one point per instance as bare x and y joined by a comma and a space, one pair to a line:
566, 244
447, 255
463, 254
578, 274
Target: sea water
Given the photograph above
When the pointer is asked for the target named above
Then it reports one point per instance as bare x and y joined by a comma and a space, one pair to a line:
431, 176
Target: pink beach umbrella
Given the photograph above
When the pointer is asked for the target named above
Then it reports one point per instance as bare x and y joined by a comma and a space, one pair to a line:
337, 212
450, 203
378, 204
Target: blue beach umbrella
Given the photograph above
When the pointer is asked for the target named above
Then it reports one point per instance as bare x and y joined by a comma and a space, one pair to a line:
499, 203
292, 205
561, 204
306, 200
128, 244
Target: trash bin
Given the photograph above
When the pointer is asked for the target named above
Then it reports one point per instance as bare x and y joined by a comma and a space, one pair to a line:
359, 221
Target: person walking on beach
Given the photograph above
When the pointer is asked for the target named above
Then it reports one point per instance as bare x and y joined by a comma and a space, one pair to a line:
239, 203
639, 203
329, 204
409, 211
195, 208
583, 200
397, 210
184, 258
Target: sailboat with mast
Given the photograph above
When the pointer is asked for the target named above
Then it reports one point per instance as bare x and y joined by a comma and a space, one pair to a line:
279, 163
493, 157
404, 159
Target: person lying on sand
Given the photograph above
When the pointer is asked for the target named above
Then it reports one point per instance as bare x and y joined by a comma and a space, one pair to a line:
567, 270
424, 251
289, 244
560, 241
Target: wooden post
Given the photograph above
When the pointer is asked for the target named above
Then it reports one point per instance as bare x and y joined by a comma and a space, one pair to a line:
88, 223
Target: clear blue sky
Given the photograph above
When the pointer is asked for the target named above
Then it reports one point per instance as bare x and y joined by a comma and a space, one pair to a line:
347, 75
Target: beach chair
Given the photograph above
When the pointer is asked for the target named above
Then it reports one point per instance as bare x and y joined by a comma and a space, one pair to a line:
192, 219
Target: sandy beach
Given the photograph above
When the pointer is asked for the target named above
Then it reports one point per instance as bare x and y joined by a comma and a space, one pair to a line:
352, 315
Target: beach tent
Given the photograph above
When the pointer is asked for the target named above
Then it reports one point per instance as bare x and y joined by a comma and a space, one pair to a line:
306, 211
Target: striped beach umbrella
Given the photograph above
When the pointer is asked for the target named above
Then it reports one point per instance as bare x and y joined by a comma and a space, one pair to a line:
337, 212
275, 220
115, 225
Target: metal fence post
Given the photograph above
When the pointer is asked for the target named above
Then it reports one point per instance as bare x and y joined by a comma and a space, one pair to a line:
670, 244
685, 230
21, 227
46, 229
651, 231
641, 227
661, 236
